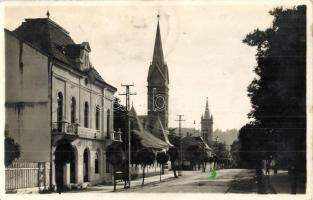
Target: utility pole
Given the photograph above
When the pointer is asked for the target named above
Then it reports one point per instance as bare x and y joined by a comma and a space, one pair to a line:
180, 145
127, 94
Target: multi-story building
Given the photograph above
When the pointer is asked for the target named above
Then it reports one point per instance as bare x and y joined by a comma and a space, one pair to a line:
56, 99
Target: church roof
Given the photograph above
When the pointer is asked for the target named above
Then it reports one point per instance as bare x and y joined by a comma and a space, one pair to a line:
158, 56
207, 111
53, 40
158, 62
147, 139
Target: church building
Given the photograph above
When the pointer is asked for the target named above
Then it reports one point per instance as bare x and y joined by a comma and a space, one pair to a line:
158, 81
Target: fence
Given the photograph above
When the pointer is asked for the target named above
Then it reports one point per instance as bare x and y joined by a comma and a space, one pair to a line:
21, 175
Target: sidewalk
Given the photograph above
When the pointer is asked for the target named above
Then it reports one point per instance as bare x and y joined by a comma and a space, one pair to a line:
120, 185
280, 183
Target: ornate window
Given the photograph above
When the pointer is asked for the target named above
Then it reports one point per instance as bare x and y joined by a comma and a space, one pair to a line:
97, 118
86, 115
59, 110
73, 110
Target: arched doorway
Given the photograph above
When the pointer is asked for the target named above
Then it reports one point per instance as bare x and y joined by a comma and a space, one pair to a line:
64, 153
86, 165
73, 168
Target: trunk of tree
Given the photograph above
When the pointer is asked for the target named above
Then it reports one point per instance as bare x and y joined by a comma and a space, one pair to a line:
293, 178
203, 166
162, 169
259, 176
174, 169
114, 180
143, 174
160, 172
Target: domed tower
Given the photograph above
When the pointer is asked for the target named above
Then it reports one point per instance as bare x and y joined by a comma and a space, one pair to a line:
207, 124
158, 81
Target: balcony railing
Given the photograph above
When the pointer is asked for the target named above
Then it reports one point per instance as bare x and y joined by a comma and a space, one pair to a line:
89, 133
74, 129
65, 127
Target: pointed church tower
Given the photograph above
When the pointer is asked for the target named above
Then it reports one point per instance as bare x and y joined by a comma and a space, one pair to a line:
207, 124
158, 81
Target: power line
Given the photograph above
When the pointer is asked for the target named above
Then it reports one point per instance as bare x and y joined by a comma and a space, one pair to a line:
180, 144
128, 94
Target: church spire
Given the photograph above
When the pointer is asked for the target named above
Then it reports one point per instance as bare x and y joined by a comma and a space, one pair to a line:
158, 50
207, 111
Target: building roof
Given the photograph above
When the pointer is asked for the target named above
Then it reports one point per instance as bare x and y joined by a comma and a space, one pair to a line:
158, 56
55, 41
195, 141
147, 139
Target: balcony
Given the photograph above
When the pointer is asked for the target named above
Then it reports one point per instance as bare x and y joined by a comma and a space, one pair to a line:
64, 130
65, 127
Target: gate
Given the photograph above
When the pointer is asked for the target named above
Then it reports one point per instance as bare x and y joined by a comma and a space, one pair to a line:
21, 175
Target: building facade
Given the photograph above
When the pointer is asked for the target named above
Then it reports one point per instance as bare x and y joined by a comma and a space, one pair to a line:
55, 98
207, 125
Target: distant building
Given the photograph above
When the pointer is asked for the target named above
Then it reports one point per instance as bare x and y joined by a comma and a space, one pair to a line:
54, 98
186, 132
207, 125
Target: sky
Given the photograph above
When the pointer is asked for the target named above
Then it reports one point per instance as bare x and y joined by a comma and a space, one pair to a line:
202, 45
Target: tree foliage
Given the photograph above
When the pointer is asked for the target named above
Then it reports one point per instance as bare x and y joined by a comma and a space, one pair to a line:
64, 153
146, 157
162, 157
12, 151
115, 155
278, 93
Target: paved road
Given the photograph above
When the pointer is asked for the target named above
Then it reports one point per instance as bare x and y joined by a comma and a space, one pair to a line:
226, 181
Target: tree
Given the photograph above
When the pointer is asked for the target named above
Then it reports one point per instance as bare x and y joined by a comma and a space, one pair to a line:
120, 117
278, 93
12, 151
235, 154
220, 151
116, 158
147, 157
162, 158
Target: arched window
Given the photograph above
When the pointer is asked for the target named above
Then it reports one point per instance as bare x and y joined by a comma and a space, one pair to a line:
73, 110
97, 163
59, 110
86, 165
86, 115
97, 118
108, 123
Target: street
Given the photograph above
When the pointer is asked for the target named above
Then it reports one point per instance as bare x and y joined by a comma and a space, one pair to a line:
226, 181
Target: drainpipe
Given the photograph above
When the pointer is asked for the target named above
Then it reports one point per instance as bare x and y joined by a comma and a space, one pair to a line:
50, 94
